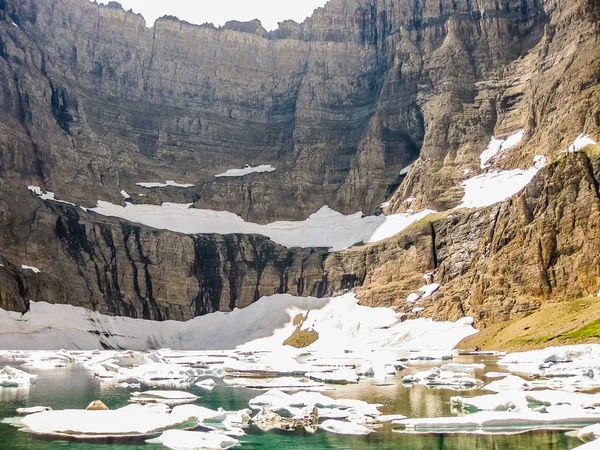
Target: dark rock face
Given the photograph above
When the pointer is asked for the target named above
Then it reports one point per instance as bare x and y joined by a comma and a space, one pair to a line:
123, 269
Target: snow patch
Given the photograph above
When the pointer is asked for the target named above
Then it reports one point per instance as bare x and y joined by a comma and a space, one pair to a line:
247, 170
169, 183
341, 323
491, 188
33, 269
125, 194
497, 146
406, 170
325, 228
580, 142
47, 195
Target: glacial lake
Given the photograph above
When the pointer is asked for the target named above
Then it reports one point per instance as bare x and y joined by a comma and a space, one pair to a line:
75, 388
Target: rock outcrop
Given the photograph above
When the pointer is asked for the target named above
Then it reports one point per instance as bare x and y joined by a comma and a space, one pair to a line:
119, 268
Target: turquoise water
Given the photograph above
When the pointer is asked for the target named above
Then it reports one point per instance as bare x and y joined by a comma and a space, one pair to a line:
74, 388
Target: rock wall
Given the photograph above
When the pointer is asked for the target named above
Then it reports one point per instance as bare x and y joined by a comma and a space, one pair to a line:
122, 269
94, 101
495, 263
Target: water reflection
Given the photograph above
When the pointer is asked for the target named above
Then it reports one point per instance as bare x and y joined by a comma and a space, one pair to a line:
75, 388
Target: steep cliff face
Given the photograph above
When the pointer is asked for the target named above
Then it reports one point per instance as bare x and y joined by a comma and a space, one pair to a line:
95, 101
92, 102
121, 269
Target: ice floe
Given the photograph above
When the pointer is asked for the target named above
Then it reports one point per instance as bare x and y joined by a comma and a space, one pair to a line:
341, 427
11, 377
33, 410
265, 168
194, 440
170, 398
132, 420
435, 377
497, 422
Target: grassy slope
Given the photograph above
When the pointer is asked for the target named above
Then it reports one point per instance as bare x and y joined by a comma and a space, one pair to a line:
573, 322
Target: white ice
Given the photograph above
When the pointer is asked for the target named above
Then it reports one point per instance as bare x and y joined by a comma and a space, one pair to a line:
11, 377
341, 323
130, 420
340, 427
194, 440
580, 142
429, 289
325, 228
491, 188
265, 168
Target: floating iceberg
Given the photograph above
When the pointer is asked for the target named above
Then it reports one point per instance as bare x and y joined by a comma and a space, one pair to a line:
194, 440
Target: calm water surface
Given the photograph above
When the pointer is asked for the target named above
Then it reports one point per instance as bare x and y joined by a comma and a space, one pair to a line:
74, 388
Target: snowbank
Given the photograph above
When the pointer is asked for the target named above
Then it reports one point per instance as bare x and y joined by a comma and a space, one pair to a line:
247, 170
491, 188
264, 325
325, 228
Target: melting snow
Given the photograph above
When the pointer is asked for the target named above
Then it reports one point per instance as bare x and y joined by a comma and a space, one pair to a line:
125, 194
247, 170
47, 195
580, 142
325, 228
499, 145
491, 188
406, 170
169, 183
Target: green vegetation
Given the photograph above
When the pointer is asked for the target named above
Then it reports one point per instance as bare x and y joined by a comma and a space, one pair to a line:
591, 330
561, 323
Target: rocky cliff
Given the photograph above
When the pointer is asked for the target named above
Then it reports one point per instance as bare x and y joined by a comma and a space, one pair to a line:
93, 102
